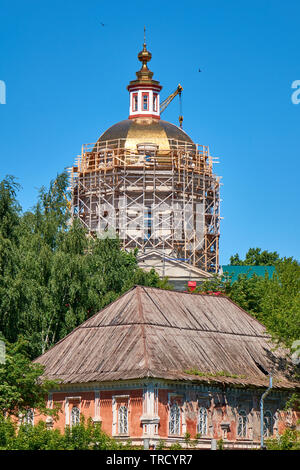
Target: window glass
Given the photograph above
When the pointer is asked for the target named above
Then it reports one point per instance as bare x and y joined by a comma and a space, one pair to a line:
29, 417
242, 424
154, 102
145, 102
202, 422
75, 416
174, 423
123, 419
268, 424
135, 102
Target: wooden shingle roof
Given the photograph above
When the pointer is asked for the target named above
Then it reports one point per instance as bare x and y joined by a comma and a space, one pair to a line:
150, 332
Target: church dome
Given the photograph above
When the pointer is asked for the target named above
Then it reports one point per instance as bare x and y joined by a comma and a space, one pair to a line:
151, 131
144, 128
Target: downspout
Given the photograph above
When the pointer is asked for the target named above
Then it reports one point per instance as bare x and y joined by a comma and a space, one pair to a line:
262, 411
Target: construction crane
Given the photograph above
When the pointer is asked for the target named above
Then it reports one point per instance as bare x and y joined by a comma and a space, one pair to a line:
168, 100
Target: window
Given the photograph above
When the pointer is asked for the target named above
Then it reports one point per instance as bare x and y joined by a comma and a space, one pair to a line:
242, 424
154, 102
148, 224
145, 101
268, 424
174, 420
75, 416
123, 420
29, 417
135, 102
202, 422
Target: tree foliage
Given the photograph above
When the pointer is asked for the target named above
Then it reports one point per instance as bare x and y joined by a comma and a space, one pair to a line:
52, 275
20, 387
255, 257
280, 302
289, 440
83, 436
275, 301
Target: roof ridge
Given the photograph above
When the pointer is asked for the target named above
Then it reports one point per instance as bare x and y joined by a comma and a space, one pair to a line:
183, 292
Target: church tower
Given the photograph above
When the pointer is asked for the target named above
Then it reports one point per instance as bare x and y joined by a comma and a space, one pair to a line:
144, 91
146, 182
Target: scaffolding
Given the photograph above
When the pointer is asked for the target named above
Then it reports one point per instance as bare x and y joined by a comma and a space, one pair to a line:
151, 198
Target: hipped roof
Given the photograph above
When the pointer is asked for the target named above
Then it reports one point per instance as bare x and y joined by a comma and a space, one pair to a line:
150, 332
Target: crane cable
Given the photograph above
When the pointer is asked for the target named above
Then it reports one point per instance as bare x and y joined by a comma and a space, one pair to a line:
180, 110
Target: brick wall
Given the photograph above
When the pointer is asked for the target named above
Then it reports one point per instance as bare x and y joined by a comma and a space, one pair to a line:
222, 412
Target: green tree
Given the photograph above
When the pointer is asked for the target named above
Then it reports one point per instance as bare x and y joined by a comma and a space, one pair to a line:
58, 276
9, 207
20, 385
273, 301
215, 284
9, 224
84, 436
280, 302
289, 440
255, 257
248, 293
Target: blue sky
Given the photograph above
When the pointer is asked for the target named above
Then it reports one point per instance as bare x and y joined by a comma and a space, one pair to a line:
66, 78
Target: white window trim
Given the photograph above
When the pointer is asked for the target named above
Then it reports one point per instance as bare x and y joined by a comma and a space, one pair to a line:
67, 407
200, 408
115, 427
97, 408
182, 423
242, 413
71, 415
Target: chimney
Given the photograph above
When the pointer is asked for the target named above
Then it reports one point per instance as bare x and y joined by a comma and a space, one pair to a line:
192, 286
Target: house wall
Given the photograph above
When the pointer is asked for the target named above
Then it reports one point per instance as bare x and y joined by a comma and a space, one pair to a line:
149, 412
99, 405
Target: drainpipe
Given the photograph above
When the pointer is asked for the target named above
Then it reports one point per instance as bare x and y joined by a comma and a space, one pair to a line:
262, 411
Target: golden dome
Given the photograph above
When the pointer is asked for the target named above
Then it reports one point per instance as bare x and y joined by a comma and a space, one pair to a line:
140, 131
